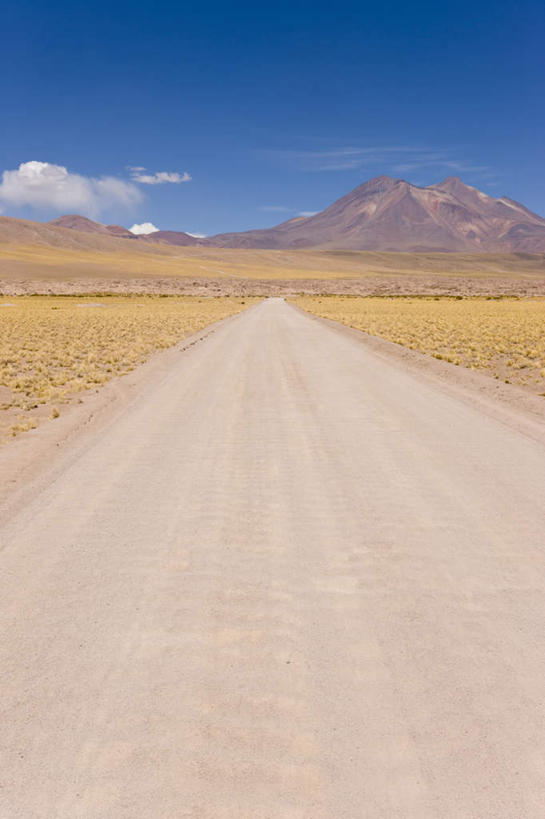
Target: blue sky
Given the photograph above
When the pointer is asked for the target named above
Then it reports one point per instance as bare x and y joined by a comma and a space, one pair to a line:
272, 110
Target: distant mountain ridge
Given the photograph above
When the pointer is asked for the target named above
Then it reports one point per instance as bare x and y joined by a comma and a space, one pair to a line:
82, 223
386, 214
383, 214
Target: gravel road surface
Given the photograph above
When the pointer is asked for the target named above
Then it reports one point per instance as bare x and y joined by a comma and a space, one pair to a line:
291, 581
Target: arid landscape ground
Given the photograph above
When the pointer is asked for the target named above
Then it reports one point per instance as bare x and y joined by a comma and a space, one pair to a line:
52, 349
27, 269
272, 410
289, 570
271, 527
503, 337
497, 325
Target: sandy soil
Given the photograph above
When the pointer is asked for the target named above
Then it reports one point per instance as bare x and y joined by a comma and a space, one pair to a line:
286, 575
399, 284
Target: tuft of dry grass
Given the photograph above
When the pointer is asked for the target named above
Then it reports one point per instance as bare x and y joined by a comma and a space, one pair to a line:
52, 348
504, 337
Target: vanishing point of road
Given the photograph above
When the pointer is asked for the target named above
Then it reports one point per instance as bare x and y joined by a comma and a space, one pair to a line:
293, 580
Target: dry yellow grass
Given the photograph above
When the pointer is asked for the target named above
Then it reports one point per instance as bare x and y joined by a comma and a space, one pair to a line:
505, 337
52, 348
124, 261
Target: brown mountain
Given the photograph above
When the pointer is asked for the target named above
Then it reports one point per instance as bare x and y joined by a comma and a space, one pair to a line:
75, 222
81, 223
171, 237
392, 215
27, 232
383, 214
118, 230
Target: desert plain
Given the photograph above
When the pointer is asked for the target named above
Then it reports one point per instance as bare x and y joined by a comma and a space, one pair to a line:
272, 529
272, 411
43, 269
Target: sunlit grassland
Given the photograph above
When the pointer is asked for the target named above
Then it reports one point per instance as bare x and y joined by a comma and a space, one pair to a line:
504, 337
43, 262
52, 348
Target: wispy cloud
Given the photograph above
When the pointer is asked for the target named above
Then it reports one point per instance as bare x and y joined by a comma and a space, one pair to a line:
339, 158
448, 164
138, 174
376, 158
308, 212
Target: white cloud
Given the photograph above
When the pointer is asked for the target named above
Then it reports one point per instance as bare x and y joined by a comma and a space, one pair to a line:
143, 229
197, 235
44, 185
308, 213
158, 178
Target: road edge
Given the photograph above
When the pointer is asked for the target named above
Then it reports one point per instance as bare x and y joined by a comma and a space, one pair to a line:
35, 457
507, 403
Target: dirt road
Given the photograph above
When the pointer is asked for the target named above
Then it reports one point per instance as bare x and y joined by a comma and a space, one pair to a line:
292, 581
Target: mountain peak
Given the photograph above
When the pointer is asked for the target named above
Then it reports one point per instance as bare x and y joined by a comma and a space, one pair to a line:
72, 218
376, 185
383, 181
451, 183
74, 221
386, 214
